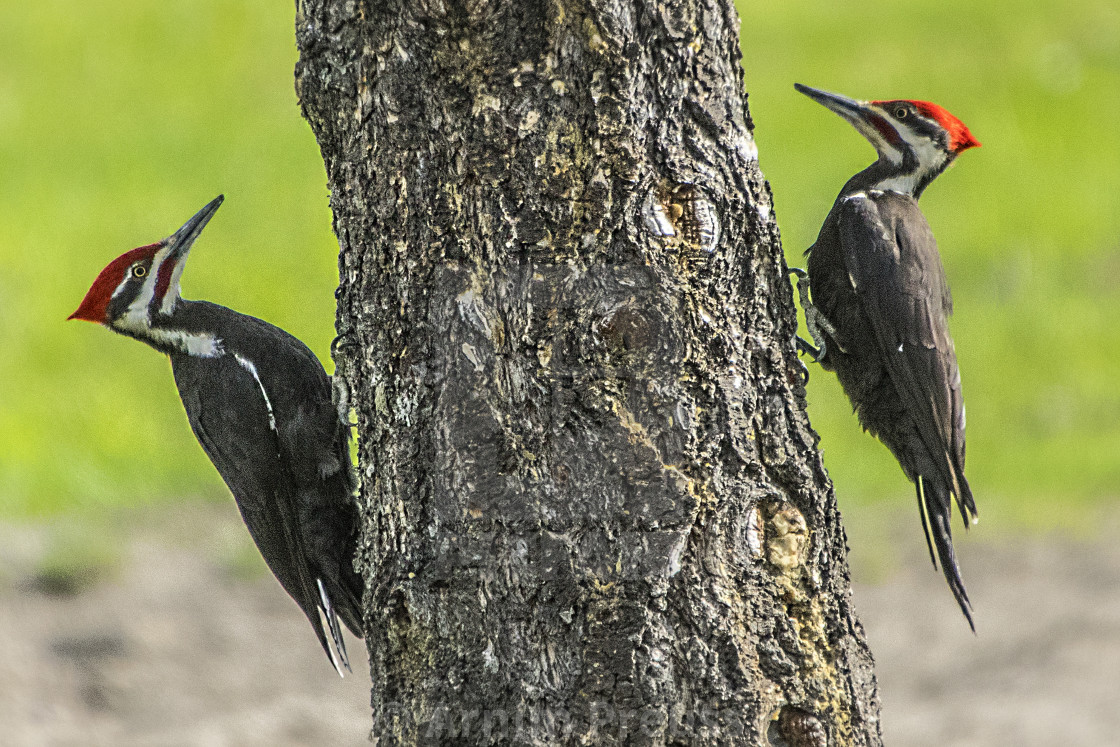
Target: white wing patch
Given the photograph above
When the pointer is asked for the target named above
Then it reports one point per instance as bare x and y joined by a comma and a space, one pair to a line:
248, 366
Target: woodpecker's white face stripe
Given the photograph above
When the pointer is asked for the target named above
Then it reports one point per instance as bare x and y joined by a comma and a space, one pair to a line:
915, 140
120, 288
137, 316
252, 369
897, 143
887, 150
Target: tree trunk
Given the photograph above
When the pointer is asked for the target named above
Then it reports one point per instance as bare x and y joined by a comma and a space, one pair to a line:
595, 512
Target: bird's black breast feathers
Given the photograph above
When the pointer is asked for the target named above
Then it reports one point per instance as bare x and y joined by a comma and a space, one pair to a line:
287, 386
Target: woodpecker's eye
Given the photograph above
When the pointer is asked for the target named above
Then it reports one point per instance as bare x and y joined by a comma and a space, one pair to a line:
139, 271
901, 112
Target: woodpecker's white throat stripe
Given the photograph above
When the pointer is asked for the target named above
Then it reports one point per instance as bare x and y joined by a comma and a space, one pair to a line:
198, 344
137, 318
883, 146
931, 158
248, 366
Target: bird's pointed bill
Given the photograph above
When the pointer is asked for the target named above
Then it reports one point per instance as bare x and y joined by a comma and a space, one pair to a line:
178, 246
848, 108
180, 242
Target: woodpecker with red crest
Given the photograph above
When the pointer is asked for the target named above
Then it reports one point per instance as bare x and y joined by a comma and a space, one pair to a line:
880, 308
260, 404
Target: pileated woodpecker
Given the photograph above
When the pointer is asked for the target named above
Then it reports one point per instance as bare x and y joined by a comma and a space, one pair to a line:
880, 308
260, 404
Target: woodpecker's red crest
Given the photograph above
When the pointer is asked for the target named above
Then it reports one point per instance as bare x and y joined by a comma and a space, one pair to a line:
95, 305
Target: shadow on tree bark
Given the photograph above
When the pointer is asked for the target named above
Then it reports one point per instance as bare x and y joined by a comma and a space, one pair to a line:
595, 511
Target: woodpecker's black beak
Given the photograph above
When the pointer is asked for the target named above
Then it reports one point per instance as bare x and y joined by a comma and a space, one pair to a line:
180, 242
850, 109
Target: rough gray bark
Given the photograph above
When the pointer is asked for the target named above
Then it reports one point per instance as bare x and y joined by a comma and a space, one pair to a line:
595, 512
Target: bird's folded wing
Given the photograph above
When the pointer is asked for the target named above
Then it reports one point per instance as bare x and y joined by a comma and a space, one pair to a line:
894, 266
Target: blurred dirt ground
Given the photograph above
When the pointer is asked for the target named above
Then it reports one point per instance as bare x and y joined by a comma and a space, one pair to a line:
183, 639
187, 642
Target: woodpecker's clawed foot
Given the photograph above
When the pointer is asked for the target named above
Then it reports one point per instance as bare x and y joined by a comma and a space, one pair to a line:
806, 347
340, 343
815, 321
803, 369
341, 396
340, 390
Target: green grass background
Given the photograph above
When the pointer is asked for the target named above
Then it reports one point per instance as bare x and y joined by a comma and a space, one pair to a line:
118, 120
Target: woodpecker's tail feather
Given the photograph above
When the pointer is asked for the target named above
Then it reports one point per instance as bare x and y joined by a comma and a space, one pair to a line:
347, 594
967, 505
925, 520
339, 600
934, 503
337, 652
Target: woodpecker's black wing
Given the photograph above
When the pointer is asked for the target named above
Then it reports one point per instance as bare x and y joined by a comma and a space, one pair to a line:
895, 268
315, 446
231, 420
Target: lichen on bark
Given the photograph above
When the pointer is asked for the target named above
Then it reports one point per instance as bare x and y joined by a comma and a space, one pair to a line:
594, 508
